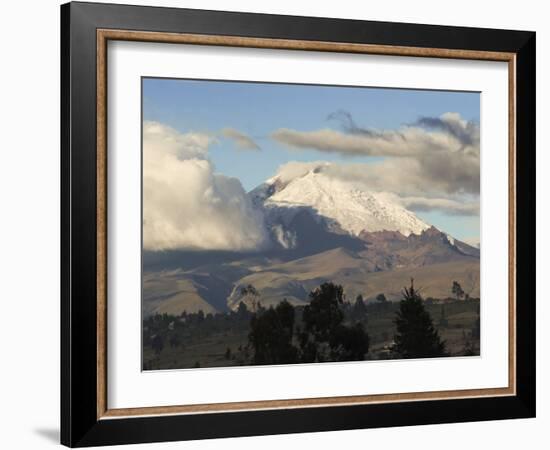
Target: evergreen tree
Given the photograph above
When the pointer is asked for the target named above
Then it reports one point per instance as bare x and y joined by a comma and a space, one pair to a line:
457, 290
324, 336
271, 335
416, 336
323, 313
348, 343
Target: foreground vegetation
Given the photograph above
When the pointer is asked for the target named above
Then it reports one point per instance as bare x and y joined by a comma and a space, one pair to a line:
328, 328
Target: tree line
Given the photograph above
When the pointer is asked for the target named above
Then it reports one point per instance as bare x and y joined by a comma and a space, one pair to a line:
327, 328
323, 335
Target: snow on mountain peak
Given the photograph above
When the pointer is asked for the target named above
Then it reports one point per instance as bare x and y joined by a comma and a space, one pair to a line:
339, 202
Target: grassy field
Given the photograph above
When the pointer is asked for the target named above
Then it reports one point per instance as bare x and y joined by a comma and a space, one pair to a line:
221, 340
457, 328
206, 351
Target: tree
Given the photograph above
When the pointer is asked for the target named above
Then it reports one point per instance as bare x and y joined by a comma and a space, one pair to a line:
476, 328
416, 336
157, 343
381, 298
348, 343
359, 308
323, 312
457, 290
443, 322
251, 294
271, 335
324, 336
249, 290
200, 316
242, 310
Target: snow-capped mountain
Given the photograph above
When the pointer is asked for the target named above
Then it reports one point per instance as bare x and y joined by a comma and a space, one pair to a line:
339, 203
322, 229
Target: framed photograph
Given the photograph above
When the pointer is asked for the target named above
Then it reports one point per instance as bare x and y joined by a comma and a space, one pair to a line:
276, 224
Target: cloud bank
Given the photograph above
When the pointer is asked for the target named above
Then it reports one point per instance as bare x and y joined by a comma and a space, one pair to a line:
431, 164
186, 206
449, 206
446, 134
467, 132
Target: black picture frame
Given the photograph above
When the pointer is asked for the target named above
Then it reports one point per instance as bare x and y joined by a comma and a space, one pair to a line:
80, 425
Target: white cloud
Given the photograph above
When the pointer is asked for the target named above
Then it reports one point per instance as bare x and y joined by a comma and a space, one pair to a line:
449, 134
434, 155
473, 241
188, 206
241, 140
165, 141
449, 206
296, 169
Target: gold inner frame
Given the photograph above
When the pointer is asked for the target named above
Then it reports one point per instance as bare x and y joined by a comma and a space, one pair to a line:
104, 35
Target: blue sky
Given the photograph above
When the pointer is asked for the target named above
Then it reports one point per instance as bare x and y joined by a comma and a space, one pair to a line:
257, 109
